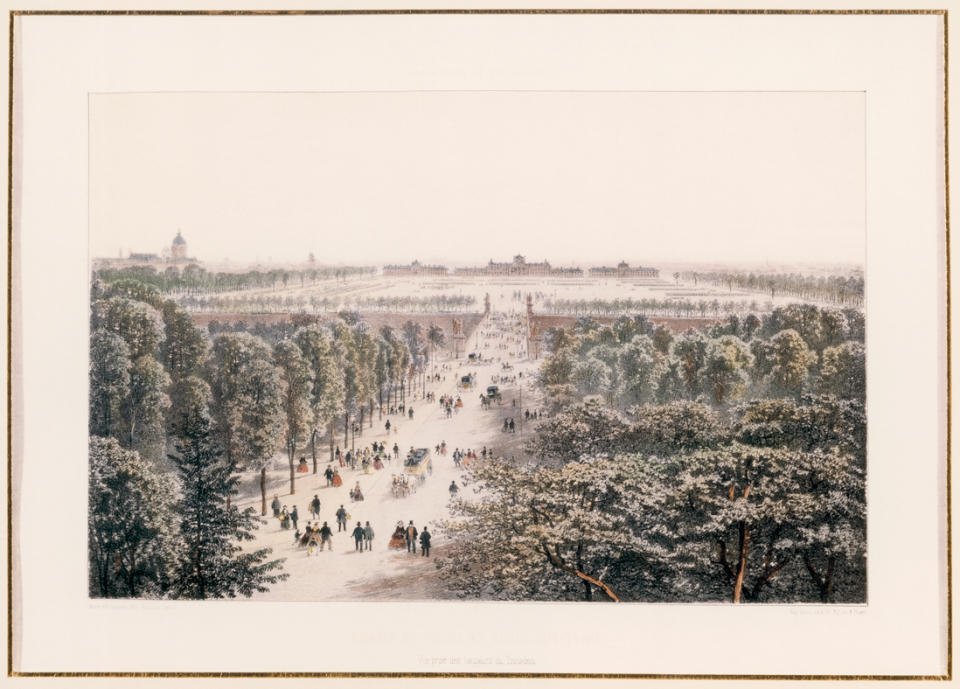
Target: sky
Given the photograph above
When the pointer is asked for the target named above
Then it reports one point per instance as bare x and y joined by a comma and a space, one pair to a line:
576, 178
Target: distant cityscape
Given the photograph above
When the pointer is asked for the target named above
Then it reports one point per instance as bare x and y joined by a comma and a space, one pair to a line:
175, 257
520, 267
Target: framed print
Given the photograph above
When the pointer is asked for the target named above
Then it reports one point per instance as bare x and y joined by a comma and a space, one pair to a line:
507, 343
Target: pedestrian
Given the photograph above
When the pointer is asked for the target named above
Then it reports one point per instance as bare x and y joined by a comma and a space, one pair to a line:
425, 543
329, 476
326, 536
512, 427
453, 489
396, 451
294, 516
341, 519
358, 537
368, 535
411, 535
276, 506
410, 412
387, 426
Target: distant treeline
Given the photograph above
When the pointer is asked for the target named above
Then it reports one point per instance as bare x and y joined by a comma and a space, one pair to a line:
195, 279
838, 289
298, 303
679, 308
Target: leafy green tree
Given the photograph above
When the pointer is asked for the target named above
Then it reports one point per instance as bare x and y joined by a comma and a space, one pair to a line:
739, 517
557, 367
668, 429
327, 392
559, 397
814, 423
805, 320
366, 358
184, 349
215, 564
691, 350
139, 324
640, 364
109, 383
670, 386
591, 376
132, 537
662, 339
835, 327
146, 408
345, 351
724, 373
189, 400
246, 402
296, 384
792, 360
843, 371
831, 532
586, 429
544, 533
436, 338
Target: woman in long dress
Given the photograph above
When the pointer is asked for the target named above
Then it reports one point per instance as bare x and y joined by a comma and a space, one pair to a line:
397, 540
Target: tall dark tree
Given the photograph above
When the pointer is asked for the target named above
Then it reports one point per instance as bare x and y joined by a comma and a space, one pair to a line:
215, 565
109, 383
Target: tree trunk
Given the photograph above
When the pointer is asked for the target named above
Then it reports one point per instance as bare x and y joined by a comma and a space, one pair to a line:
828, 589
380, 413
346, 428
331, 439
313, 448
362, 410
742, 565
263, 491
293, 477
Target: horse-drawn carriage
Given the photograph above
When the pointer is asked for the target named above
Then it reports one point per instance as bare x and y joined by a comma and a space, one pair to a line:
418, 463
466, 382
402, 487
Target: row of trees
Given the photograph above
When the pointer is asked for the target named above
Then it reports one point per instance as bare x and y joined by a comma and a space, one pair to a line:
153, 373
795, 350
174, 417
299, 303
838, 289
675, 308
194, 279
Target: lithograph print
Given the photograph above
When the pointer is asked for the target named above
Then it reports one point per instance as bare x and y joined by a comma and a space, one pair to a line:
531, 346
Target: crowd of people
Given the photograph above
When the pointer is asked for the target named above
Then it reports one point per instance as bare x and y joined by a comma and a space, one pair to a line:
352, 463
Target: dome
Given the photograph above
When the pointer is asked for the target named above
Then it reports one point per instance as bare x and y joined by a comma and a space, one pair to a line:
179, 240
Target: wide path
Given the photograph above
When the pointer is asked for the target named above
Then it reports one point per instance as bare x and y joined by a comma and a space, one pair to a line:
382, 573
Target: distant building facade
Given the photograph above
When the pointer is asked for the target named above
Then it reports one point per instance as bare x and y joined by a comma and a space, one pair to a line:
414, 269
518, 268
173, 257
624, 270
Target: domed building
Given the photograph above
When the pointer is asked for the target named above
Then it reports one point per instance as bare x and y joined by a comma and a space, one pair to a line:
178, 249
